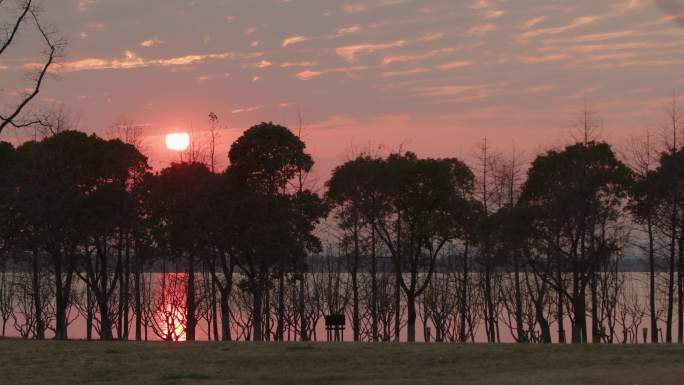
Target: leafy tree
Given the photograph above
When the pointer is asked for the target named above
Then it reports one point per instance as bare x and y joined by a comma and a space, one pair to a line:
644, 206
422, 197
110, 212
575, 196
6, 195
275, 226
267, 157
668, 181
352, 190
55, 178
180, 199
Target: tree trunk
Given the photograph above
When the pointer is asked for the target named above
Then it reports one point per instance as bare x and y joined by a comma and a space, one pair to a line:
671, 283
62, 289
105, 321
101, 292
89, 313
266, 312
652, 279
464, 297
411, 317
670, 291
489, 311
374, 289
595, 326
680, 289
560, 310
138, 299
397, 304
397, 295
125, 289
225, 315
303, 336
356, 324
579, 331
280, 325
191, 319
256, 314
522, 337
539, 314
119, 271
40, 327
214, 308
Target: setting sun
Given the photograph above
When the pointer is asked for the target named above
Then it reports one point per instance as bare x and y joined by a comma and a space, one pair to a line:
177, 141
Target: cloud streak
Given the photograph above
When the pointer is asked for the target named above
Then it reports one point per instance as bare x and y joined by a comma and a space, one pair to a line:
151, 42
673, 9
292, 40
350, 53
577, 23
131, 61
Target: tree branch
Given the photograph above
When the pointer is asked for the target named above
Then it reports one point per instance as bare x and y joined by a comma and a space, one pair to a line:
52, 52
15, 28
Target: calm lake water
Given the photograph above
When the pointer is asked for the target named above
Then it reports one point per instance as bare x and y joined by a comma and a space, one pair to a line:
164, 303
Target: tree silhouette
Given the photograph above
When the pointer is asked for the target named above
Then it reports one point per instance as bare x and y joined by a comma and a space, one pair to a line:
575, 196
353, 191
7, 227
23, 14
110, 213
275, 226
668, 179
179, 198
415, 219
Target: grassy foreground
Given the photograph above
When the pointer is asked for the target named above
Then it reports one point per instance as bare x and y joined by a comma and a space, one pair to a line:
78, 362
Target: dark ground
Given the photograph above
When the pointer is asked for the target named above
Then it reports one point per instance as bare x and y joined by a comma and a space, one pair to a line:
80, 362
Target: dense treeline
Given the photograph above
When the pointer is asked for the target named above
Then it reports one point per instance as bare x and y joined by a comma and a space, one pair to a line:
412, 242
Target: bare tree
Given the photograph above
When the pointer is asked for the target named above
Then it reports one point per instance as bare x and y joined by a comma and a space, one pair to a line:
213, 136
7, 298
34, 308
631, 310
587, 125
20, 16
240, 314
644, 207
168, 307
485, 166
672, 133
53, 120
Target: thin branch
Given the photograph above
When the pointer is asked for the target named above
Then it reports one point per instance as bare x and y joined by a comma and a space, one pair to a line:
51, 57
27, 8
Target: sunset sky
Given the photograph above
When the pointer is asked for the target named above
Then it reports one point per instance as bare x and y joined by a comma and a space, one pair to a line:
433, 76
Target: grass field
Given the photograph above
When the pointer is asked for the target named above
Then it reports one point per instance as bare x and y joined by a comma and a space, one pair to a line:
78, 362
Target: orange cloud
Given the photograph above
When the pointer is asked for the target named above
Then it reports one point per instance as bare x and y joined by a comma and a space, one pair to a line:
578, 22
306, 75
532, 22
299, 64
349, 53
355, 8
131, 60
412, 71
245, 109
481, 30
292, 40
151, 42
263, 64
454, 64
349, 30
416, 57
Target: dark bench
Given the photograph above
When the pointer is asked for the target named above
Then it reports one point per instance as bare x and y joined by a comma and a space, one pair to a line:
334, 326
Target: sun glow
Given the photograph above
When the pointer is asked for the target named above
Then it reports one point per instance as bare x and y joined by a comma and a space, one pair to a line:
178, 141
